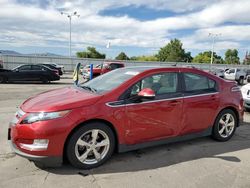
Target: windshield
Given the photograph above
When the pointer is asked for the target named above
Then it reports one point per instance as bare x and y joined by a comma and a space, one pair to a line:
109, 81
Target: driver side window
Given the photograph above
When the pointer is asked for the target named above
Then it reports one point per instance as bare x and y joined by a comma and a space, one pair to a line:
164, 83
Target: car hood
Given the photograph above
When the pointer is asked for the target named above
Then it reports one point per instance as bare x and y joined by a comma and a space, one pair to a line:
60, 99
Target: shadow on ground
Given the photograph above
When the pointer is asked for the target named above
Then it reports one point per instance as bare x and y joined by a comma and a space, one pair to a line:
167, 155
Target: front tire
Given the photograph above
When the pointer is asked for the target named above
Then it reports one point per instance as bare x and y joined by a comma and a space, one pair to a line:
90, 146
225, 125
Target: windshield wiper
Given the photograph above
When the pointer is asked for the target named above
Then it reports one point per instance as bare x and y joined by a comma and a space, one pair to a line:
89, 88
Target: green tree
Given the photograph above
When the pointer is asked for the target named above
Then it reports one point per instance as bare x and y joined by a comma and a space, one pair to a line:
144, 58
122, 56
205, 57
188, 57
173, 52
91, 53
231, 56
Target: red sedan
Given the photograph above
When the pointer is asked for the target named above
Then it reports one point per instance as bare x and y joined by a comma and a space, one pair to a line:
123, 110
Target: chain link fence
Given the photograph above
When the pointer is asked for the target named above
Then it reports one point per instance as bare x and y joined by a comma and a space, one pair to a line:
12, 61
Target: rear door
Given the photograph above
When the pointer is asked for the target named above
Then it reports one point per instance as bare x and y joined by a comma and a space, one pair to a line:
155, 118
38, 72
200, 102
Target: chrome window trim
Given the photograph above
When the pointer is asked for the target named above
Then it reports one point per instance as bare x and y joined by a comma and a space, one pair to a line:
146, 102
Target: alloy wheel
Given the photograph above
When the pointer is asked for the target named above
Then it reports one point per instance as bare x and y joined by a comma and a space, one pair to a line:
92, 146
226, 125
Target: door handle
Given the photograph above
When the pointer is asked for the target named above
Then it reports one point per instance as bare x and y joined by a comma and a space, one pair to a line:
213, 97
174, 102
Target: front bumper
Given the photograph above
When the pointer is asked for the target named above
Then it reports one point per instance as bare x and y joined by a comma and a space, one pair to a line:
22, 139
50, 161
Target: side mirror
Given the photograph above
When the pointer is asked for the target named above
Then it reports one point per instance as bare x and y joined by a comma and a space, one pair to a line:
108, 67
147, 93
16, 70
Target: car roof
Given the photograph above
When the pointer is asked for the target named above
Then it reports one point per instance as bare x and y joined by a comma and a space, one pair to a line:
145, 68
149, 69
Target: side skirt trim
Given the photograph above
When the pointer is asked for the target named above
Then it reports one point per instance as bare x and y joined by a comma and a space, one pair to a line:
125, 148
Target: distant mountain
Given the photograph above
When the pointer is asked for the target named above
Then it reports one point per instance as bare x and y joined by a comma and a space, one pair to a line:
8, 52
45, 54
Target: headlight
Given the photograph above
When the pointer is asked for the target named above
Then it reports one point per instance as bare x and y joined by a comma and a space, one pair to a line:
34, 117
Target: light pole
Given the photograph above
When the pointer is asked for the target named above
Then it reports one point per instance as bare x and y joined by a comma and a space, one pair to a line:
213, 35
70, 15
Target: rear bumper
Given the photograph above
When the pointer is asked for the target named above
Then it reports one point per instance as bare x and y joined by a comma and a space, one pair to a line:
44, 160
246, 103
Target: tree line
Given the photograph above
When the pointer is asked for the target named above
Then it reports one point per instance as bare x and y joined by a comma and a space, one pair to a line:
171, 52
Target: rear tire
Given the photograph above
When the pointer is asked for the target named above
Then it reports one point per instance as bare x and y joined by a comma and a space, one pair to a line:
3, 79
225, 125
247, 109
44, 80
241, 81
90, 146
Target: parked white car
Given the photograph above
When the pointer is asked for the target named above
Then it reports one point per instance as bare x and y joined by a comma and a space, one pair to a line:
245, 90
236, 74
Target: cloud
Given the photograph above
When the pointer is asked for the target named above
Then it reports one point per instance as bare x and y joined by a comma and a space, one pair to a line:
40, 23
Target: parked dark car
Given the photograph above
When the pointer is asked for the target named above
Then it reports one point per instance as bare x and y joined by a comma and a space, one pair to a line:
52, 66
29, 72
1, 64
56, 65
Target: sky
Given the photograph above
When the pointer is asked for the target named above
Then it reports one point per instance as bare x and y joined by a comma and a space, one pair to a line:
137, 27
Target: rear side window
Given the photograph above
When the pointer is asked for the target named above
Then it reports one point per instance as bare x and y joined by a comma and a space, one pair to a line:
115, 66
198, 83
36, 67
25, 67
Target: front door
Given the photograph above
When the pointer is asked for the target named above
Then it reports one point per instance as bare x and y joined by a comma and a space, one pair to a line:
155, 118
21, 73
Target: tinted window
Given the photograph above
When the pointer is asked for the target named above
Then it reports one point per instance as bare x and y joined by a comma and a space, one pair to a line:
195, 82
36, 67
115, 66
231, 71
165, 83
25, 67
50, 66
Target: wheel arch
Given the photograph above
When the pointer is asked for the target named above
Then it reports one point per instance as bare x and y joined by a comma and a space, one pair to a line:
109, 124
5, 78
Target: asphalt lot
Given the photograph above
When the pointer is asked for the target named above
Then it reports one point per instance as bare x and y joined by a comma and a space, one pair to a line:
197, 163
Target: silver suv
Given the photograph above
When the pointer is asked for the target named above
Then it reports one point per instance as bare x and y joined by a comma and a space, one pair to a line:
236, 74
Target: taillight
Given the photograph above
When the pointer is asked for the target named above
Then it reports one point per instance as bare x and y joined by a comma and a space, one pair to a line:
235, 89
56, 71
